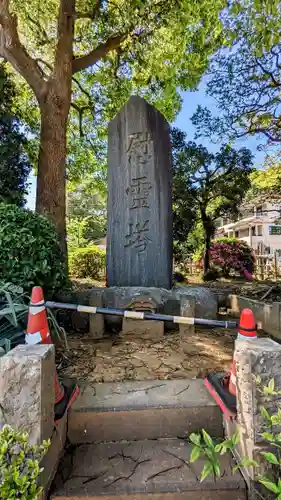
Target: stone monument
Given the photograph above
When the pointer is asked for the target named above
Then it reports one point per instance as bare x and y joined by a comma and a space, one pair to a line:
139, 237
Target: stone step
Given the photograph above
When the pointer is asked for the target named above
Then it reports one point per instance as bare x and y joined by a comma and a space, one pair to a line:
141, 470
143, 410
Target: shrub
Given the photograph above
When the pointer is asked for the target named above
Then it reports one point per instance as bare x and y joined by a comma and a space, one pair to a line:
88, 262
29, 250
19, 465
230, 255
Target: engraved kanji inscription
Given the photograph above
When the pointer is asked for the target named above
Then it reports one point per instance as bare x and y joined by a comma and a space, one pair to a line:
139, 148
139, 190
137, 236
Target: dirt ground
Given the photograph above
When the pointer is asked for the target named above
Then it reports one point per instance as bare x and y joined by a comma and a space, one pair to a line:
115, 359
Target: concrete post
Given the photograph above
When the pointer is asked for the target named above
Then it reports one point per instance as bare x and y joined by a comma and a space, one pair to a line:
187, 308
258, 359
27, 390
96, 320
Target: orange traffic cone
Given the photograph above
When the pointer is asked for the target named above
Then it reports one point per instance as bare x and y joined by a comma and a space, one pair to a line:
37, 325
222, 386
247, 329
38, 333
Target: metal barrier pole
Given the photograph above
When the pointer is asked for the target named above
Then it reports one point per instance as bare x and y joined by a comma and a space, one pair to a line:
140, 315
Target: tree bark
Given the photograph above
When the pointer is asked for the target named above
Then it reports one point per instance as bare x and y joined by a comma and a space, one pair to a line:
54, 108
207, 242
51, 178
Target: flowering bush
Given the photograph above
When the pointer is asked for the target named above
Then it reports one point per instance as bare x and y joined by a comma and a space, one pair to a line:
230, 255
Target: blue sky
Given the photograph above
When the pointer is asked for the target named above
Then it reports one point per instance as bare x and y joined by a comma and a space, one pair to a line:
190, 102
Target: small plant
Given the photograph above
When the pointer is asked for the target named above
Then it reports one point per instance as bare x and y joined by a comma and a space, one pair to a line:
88, 262
204, 447
19, 465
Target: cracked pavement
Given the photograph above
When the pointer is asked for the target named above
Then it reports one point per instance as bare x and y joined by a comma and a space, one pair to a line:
141, 466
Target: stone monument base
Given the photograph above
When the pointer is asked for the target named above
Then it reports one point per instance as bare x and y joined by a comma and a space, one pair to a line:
180, 301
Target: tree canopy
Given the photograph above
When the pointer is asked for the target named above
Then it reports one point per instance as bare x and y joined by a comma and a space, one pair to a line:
14, 164
119, 48
213, 184
245, 78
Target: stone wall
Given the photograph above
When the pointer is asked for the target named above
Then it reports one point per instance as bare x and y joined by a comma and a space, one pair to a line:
268, 316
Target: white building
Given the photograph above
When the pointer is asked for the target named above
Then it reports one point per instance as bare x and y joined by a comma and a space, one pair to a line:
258, 224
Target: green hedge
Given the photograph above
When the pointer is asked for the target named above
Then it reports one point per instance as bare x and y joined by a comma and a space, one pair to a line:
29, 250
88, 262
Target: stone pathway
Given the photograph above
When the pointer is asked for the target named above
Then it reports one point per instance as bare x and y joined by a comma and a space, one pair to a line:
116, 359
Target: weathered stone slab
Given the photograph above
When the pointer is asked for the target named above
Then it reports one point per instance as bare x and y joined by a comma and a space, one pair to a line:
143, 410
139, 237
51, 460
147, 329
149, 470
260, 358
206, 303
255, 359
27, 390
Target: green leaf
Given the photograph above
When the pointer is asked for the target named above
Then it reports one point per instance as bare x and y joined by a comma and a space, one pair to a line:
265, 414
270, 457
207, 438
271, 385
268, 436
218, 447
195, 438
207, 470
195, 454
235, 438
269, 485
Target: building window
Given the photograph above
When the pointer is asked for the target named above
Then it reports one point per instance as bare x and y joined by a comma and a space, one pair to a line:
253, 228
259, 210
244, 233
259, 230
236, 234
274, 230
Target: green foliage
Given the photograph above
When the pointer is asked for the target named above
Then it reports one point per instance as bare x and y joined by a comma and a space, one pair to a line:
19, 465
245, 80
85, 231
163, 48
204, 447
29, 250
14, 164
86, 212
268, 180
87, 262
207, 185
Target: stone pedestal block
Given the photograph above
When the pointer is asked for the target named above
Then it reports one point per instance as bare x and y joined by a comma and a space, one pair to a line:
144, 328
27, 390
187, 309
96, 320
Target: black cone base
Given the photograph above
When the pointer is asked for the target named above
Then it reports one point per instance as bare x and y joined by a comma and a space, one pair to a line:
70, 394
216, 380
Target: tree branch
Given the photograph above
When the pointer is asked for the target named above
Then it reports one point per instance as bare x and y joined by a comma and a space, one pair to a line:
98, 53
63, 58
13, 51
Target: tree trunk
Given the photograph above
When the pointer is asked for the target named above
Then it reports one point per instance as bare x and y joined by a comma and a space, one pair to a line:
207, 242
51, 179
